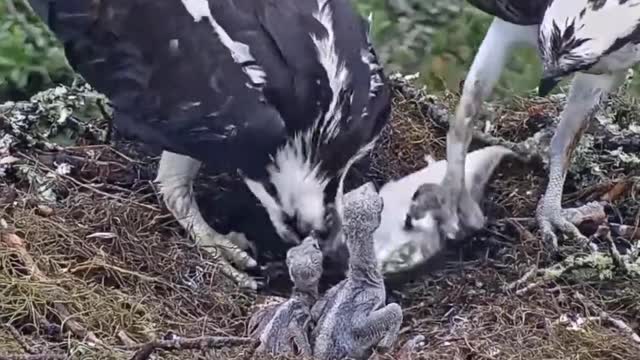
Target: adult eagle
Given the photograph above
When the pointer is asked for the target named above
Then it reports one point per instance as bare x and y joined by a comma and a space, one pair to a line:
289, 93
598, 41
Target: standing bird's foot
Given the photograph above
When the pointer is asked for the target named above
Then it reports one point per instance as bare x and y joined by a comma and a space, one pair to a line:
229, 250
175, 181
464, 215
461, 214
551, 218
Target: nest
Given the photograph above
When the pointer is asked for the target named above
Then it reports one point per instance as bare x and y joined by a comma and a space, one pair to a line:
92, 266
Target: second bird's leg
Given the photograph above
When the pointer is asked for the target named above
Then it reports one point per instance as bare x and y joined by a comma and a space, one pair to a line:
502, 37
587, 92
175, 177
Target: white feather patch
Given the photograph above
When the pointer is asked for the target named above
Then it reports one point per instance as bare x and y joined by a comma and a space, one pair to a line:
603, 26
375, 69
337, 73
299, 182
240, 52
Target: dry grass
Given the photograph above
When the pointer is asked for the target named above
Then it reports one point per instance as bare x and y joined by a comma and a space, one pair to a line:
105, 268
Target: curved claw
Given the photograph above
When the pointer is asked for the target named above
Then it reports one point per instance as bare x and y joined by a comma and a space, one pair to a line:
226, 252
463, 217
566, 221
241, 279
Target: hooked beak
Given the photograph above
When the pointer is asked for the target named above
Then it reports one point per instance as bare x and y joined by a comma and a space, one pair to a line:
548, 83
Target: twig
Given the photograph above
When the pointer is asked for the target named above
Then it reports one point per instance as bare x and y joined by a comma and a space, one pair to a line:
626, 231
548, 274
526, 277
605, 317
126, 340
15, 242
199, 343
92, 188
615, 254
99, 263
622, 326
20, 339
74, 327
34, 357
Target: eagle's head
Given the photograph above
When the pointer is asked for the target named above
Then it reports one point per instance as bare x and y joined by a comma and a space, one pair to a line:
298, 196
584, 35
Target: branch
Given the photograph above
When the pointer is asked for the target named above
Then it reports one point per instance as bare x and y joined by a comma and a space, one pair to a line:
34, 357
19, 339
605, 317
199, 343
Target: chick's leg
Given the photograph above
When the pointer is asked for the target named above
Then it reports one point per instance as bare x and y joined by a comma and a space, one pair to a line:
300, 342
483, 75
587, 91
175, 177
380, 328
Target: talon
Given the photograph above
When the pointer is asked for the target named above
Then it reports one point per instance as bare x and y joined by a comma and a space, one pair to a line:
175, 178
241, 279
566, 221
226, 252
470, 212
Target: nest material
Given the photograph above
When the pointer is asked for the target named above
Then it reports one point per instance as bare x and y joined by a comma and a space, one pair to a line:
98, 267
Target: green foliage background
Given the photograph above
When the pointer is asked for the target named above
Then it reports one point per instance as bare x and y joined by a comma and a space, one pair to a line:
30, 57
437, 38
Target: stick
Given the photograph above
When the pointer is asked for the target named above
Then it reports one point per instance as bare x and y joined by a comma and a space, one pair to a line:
526, 277
34, 357
19, 339
199, 343
74, 327
605, 317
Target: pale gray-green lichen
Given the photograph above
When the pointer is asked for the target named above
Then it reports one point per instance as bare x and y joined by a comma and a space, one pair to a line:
51, 119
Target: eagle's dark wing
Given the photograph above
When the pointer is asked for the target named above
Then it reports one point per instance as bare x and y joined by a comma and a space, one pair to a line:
175, 83
362, 106
171, 78
520, 12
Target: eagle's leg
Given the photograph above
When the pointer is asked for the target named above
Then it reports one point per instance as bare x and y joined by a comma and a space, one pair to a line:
587, 92
175, 178
483, 75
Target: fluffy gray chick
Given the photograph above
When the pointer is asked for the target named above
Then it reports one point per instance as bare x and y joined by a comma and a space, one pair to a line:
283, 329
351, 318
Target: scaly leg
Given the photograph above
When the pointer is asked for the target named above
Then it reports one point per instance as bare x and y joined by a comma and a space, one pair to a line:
380, 328
175, 177
587, 91
300, 345
483, 75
